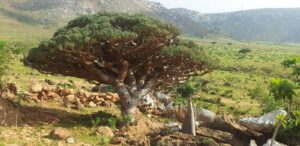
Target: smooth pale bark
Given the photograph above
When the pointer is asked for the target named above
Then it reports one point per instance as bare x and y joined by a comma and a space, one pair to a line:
189, 126
127, 102
279, 125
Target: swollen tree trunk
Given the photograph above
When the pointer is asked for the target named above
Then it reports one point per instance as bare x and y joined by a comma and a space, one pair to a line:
189, 126
279, 125
126, 100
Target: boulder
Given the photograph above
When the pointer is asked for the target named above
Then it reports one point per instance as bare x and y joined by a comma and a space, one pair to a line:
104, 131
173, 127
252, 143
264, 123
70, 140
205, 116
274, 144
35, 88
164, 98
148, 101
60, 133
92, 104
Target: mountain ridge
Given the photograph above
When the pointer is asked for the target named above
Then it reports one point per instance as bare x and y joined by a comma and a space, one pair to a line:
279, 25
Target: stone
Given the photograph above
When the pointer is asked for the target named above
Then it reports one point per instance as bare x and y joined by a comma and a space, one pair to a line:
165, 98
35, 88
71, 98
60, 133
70, 140
268, 143
104, 131
205, 116
264, 123
252, 143
106, 103
173, 127
148, 101
79, 105
92, 104
114, 96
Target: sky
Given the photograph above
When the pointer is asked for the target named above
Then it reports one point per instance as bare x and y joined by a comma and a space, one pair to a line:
217, 6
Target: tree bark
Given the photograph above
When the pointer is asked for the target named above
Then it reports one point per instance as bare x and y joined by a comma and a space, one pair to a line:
279, 125
128, 103
189, 126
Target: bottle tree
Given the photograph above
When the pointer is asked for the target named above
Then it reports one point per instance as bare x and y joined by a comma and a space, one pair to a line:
282, 89
133, 53
189, 125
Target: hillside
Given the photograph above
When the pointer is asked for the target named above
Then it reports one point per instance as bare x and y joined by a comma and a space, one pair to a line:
268, 25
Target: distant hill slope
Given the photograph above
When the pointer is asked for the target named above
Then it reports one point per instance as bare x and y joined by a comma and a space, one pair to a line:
271, 25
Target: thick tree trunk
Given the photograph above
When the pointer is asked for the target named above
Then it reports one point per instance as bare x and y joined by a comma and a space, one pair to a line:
189, 126
128, 103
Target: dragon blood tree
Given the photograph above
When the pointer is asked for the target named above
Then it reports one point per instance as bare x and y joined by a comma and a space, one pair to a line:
133, 53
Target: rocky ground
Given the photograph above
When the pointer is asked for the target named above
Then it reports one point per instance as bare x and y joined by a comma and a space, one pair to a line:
57, 116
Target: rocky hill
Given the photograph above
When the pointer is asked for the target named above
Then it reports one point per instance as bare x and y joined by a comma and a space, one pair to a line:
271, 25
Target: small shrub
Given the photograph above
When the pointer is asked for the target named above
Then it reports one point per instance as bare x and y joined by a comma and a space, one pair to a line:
125, 120
66, 85
268, 104
256, 92
49, 82
104, 141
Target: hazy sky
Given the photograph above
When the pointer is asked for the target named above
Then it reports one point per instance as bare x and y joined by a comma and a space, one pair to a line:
214, 6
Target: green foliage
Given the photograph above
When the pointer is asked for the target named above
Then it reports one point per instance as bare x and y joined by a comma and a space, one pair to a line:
289, 62
256, 92
296, 70
282, 89
245, 51
192, 50
114, 27
269, 104
104, 141
50, 82
291, 127
185, 90
66, 85
125, 120
103, 119
4, 60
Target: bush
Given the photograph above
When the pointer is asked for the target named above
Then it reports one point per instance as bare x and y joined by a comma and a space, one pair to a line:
269, 104
256, 92
66, 85
291, 128
4, 61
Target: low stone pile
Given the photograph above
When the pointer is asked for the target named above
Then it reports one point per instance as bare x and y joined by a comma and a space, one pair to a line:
78, 99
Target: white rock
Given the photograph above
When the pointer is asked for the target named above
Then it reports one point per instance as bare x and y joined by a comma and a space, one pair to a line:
204, 115
162, 97
264, 123
252, 143
173, 126
70, 140
274, 144
147, 100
